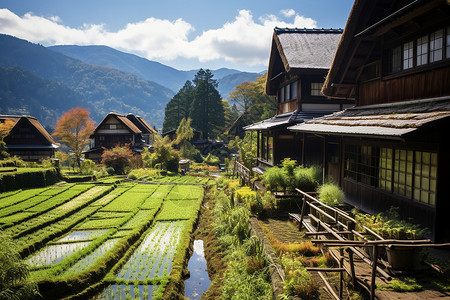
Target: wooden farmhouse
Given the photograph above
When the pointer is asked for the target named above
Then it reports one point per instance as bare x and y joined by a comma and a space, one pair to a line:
116, 129
28, 139
392, 148
299, 61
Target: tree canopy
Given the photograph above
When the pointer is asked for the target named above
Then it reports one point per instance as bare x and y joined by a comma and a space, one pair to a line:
178, 107
74, 128
252, 100
206, 110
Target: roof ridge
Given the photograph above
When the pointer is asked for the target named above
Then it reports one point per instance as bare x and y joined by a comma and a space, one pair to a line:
307, 30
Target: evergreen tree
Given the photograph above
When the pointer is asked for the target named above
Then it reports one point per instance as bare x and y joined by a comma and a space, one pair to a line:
178, 107
206, 110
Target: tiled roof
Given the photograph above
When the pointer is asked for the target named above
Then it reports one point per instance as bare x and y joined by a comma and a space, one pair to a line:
385, 120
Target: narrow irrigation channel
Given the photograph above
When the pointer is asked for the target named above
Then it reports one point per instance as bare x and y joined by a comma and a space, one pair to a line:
199, 281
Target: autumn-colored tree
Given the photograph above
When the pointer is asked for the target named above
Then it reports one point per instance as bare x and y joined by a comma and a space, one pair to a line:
118, 157
74, 128
5, 128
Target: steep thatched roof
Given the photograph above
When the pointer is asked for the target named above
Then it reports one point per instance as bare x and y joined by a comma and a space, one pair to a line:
18, 120
307, 48
123, 119
300, 51
387, 120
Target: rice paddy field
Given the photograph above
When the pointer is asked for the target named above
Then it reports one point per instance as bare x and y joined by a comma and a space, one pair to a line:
104, 240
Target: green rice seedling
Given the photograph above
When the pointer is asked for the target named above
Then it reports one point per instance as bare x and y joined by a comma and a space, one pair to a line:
104, 223
126, 202
22, 206
179, 210
162, 191
10, 193
81, 235
54, 253
152, 203
140, 218
88, 261
29, 241
184, 192
161, 241
15, 198
58, 213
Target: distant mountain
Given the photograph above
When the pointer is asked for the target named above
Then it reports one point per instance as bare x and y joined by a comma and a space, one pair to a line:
24, 93
229, 82
102, 89
151, 70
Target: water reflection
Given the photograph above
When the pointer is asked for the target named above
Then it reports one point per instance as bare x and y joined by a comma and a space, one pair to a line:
198, 282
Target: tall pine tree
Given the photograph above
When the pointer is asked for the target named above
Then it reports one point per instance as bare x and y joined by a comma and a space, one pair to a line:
178, 107
206, 109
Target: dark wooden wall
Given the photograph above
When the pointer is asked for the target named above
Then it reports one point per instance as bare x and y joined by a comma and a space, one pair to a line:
426, 84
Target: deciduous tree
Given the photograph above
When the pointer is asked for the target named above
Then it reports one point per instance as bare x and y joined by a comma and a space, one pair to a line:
5, 128
74, 128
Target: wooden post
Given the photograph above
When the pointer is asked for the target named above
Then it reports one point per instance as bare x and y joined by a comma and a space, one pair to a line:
374, 272
341, 274
302, 213
352, 266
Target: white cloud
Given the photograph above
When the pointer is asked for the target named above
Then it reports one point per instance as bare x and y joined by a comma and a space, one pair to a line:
288, 12
241, 41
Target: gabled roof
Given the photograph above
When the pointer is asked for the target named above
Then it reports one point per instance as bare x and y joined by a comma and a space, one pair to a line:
368, 21
123, 119
149, 128
301, 50
18, 120
392, 121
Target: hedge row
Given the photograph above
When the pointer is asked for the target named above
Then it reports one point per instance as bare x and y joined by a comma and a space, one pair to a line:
38, 178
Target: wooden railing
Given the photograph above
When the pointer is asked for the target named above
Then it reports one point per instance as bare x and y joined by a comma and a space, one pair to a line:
340, 231
242, 172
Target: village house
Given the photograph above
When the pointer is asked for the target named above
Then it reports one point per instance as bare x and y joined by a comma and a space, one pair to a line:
117, 129
299, 61
391, 149
28, 139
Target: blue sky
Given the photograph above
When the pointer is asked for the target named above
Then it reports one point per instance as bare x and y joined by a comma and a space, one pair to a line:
179, 33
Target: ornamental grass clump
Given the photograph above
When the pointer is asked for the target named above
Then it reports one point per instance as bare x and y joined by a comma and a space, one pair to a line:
289, 177
331, 194
298, 280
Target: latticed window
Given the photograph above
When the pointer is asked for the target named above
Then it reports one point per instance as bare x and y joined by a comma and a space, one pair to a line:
436, 45
425, 177
403, 170
422, 50
408, 55
385, 169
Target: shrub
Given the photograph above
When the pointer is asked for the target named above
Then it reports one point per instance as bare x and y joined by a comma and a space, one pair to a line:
331, 194
87, 167
118, 158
